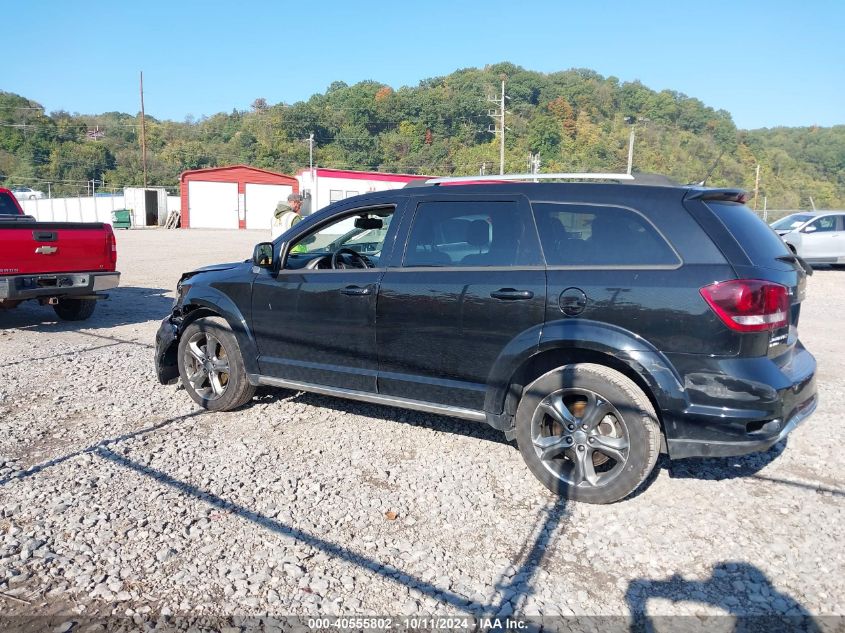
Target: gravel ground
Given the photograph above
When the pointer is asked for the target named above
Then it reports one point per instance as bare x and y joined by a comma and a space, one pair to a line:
119, 496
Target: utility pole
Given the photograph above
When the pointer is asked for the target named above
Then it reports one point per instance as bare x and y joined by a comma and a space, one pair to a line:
756, 186
631, 151
500, 116
534, 164
483, 170
311, 152
502, 137
143, 132
313, 205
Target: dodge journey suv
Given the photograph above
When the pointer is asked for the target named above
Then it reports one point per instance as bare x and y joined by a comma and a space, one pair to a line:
596, 324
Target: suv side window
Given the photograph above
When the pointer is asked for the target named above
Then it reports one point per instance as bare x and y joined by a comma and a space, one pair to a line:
827, 223
472, 233
597, 235
362, 231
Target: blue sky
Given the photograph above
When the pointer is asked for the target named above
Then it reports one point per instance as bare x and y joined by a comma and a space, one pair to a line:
767, 63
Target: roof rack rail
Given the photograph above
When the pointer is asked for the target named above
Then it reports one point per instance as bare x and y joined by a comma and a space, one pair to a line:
530, 177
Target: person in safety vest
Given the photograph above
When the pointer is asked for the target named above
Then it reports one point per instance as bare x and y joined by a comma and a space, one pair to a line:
285, 215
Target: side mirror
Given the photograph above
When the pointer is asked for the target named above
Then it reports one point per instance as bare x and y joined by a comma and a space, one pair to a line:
262, 256
809, 229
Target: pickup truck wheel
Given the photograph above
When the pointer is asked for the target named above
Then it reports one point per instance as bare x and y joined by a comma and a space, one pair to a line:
211, 366
587, 432
75, 309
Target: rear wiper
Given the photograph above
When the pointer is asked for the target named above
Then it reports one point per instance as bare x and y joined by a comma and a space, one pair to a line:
795, 259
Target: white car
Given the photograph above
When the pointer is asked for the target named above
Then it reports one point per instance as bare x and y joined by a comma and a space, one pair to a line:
817, 236
26, 193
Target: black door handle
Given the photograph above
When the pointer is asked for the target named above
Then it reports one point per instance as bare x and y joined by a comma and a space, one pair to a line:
356, 291
509, 294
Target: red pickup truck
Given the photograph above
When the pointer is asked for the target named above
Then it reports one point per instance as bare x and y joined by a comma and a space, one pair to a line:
62, 264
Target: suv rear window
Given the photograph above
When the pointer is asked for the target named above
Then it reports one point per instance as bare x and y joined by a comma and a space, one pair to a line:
596, 235
762, 245
7, 205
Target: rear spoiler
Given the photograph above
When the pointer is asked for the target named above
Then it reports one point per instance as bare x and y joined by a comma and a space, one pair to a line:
722, 195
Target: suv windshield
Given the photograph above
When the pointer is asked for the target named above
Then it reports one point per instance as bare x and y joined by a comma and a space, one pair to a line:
791, 222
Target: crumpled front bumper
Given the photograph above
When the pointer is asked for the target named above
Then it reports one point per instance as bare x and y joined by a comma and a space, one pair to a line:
167, 345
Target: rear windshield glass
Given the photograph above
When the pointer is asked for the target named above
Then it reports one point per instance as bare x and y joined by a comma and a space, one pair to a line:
791, 221
757, 239
7, 205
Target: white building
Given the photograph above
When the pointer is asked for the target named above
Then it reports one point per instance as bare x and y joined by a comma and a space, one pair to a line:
321, 186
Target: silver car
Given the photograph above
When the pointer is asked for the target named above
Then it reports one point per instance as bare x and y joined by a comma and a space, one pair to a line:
26, 193
817, 236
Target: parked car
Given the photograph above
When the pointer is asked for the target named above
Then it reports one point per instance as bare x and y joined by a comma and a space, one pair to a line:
63, 264
818, 236
25, 193
595, 324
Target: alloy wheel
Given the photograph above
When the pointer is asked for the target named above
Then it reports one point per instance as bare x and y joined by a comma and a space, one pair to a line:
580, 437
207, 365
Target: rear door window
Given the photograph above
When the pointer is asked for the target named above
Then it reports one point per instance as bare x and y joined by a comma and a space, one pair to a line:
7, 205
599, 235
472, 233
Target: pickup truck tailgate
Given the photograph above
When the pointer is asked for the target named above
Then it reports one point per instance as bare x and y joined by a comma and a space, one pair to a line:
55, 247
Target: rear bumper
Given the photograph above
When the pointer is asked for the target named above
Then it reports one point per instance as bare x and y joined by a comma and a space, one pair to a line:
23, 287
749, 406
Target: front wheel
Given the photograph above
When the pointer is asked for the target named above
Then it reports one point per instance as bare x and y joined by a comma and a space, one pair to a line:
211, 366
75, 309
587, 432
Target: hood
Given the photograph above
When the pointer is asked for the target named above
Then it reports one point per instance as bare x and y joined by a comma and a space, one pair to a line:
213, 268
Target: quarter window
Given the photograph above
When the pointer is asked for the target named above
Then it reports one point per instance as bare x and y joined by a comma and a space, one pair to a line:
463, 233
594, 235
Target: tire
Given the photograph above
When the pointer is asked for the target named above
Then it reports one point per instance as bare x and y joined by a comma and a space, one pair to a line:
607, 460
217, 382
75, 309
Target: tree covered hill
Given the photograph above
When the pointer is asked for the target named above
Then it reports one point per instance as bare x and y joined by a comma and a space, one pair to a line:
576, 120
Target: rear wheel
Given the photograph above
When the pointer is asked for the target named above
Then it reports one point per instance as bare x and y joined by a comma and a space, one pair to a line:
211, 366
75, 309
587, 432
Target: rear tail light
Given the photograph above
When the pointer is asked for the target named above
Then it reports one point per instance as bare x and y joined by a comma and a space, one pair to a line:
749, 305
111, 247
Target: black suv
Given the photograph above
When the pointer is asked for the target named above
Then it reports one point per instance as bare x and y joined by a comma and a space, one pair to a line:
597, 324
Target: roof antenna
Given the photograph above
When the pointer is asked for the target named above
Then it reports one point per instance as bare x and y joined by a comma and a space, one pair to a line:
712, 169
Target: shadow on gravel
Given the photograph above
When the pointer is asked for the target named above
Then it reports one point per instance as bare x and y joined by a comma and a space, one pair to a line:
738, 588
431, 421
93, 448
720, 468
510, 589
745, 466
126, 305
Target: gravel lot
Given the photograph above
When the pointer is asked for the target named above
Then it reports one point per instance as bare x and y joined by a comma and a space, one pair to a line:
119, 496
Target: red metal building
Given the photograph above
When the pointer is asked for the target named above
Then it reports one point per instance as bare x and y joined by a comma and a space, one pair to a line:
233, 197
